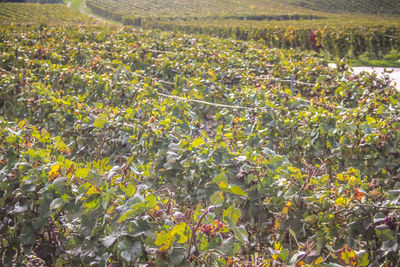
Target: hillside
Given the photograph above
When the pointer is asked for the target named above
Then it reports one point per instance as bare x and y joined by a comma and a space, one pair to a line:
206, 8
356, 6
198, 8
41, 13
281, 24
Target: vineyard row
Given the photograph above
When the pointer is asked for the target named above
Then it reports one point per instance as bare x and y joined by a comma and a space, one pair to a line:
377, 41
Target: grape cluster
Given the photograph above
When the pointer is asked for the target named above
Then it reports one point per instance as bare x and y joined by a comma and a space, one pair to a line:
212, 229
391, 223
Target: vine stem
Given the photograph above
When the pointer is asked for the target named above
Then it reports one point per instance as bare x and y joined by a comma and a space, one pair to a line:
377, 207
192, 239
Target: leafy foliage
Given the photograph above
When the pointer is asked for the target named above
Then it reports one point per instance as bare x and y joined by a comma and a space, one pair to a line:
101, 163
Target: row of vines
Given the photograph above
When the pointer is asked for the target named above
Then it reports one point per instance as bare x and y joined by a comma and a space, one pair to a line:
40, 13
367, 6
106, 160
377, 41
358, 38
200, 8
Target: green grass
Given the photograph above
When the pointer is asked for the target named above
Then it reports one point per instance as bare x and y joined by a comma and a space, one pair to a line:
360, 62
80, 5
76, 4
391, 60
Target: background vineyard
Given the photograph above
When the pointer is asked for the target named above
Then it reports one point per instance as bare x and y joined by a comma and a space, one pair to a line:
38, 13
131, 146
279, 24
360, 6
202, 8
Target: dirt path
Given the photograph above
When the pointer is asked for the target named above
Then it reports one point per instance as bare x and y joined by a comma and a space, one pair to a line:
394, 75
80, 5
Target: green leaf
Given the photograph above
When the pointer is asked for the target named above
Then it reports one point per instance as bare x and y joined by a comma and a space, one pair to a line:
130, 249
56, 203
100, 121
27, 235
217, 199
240, 232
149, 202
284, 254
59, 182
220, 178
134, 210
130, 190
237, 190
232, 213
177, 256
293, 234
229, 247
28, 187
362, 258
126, 255
108, 241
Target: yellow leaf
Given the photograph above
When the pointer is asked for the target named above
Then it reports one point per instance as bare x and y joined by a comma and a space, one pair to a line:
237, 190
348, 256
110, 210
197, 142
181, 230
82, 172
285, 211
277, 246
222, 185
92, 190
277, 224
370, 120
341, 201
54, 172
318, 261
164, 239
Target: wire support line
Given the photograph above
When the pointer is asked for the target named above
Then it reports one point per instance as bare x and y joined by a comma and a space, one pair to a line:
377, 207
282, 80
262, 109
160, 51
153, 79
211, 103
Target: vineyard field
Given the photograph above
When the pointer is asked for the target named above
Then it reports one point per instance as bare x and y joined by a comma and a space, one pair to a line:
122, 146
203, 8
360, 6
277, 24
40, 13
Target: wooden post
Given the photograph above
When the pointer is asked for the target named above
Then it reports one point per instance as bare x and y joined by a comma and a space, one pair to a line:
292, 83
